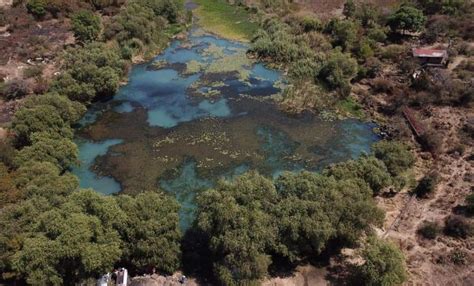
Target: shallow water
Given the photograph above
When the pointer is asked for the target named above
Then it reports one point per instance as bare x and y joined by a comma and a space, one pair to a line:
182, 127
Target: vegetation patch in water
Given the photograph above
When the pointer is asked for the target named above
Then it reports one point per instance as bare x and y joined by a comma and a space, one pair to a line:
221, 18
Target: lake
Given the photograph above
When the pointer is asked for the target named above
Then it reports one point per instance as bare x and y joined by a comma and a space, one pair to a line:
199, 112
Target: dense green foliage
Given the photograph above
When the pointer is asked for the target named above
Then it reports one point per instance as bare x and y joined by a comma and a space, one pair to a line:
407, 18
141, 25
338, 70
241, 229
371, 170
91, 72
54, 233
150, 231
251, 219
86, 26
384, 264
37, 8
395, 155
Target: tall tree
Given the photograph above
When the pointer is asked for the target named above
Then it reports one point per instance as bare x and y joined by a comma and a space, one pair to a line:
151, 231
236, 217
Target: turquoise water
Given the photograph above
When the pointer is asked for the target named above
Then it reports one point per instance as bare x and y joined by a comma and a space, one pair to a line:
157, 132
88, 152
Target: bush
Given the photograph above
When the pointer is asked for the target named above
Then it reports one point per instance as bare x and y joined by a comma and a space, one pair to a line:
429, 230
15, 89
37, 8
33, 71
458, 257
382, 85
338, 70
86, 26
457, 226
395, 155
384, 264
427, 185
432, 141
310, 23
470, 204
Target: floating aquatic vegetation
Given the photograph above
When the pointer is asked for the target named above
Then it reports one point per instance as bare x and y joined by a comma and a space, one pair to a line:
157, 65
214, 51
238, 63
193, 67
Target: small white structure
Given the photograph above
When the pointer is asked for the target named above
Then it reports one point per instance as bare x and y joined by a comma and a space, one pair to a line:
104, 280
122, 277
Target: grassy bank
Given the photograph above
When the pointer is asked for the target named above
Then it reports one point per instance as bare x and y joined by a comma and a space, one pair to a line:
225, 20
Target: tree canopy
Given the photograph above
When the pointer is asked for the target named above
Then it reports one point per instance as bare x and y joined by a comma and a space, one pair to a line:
384, 264
151, 231
86, 26
407, 18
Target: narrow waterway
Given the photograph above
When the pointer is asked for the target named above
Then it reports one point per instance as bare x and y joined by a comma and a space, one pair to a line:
199, 112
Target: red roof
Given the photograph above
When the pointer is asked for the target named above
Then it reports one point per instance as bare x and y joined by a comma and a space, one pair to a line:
429, 53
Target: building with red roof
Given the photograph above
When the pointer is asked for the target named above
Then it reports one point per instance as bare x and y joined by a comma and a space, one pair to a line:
431, 57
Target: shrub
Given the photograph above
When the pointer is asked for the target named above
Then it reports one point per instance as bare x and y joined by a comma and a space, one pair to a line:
432, 141
339, 69
395, 155
457, 226
37, 8
86, 26
15, 89
394, 52
377, 34
310, 23
33, 71
458, 257
429, 230
470, 204
384, 264
343, 32
382, 85
427, 185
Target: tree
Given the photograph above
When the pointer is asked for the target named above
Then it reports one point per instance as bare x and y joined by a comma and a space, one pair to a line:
85, 25
70, 111
91, 72
407, 18
46, 147
383, 265
316, 208
151, 231
75, 241
8, 191
40, 118
395, 156
236, 217
45, 179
